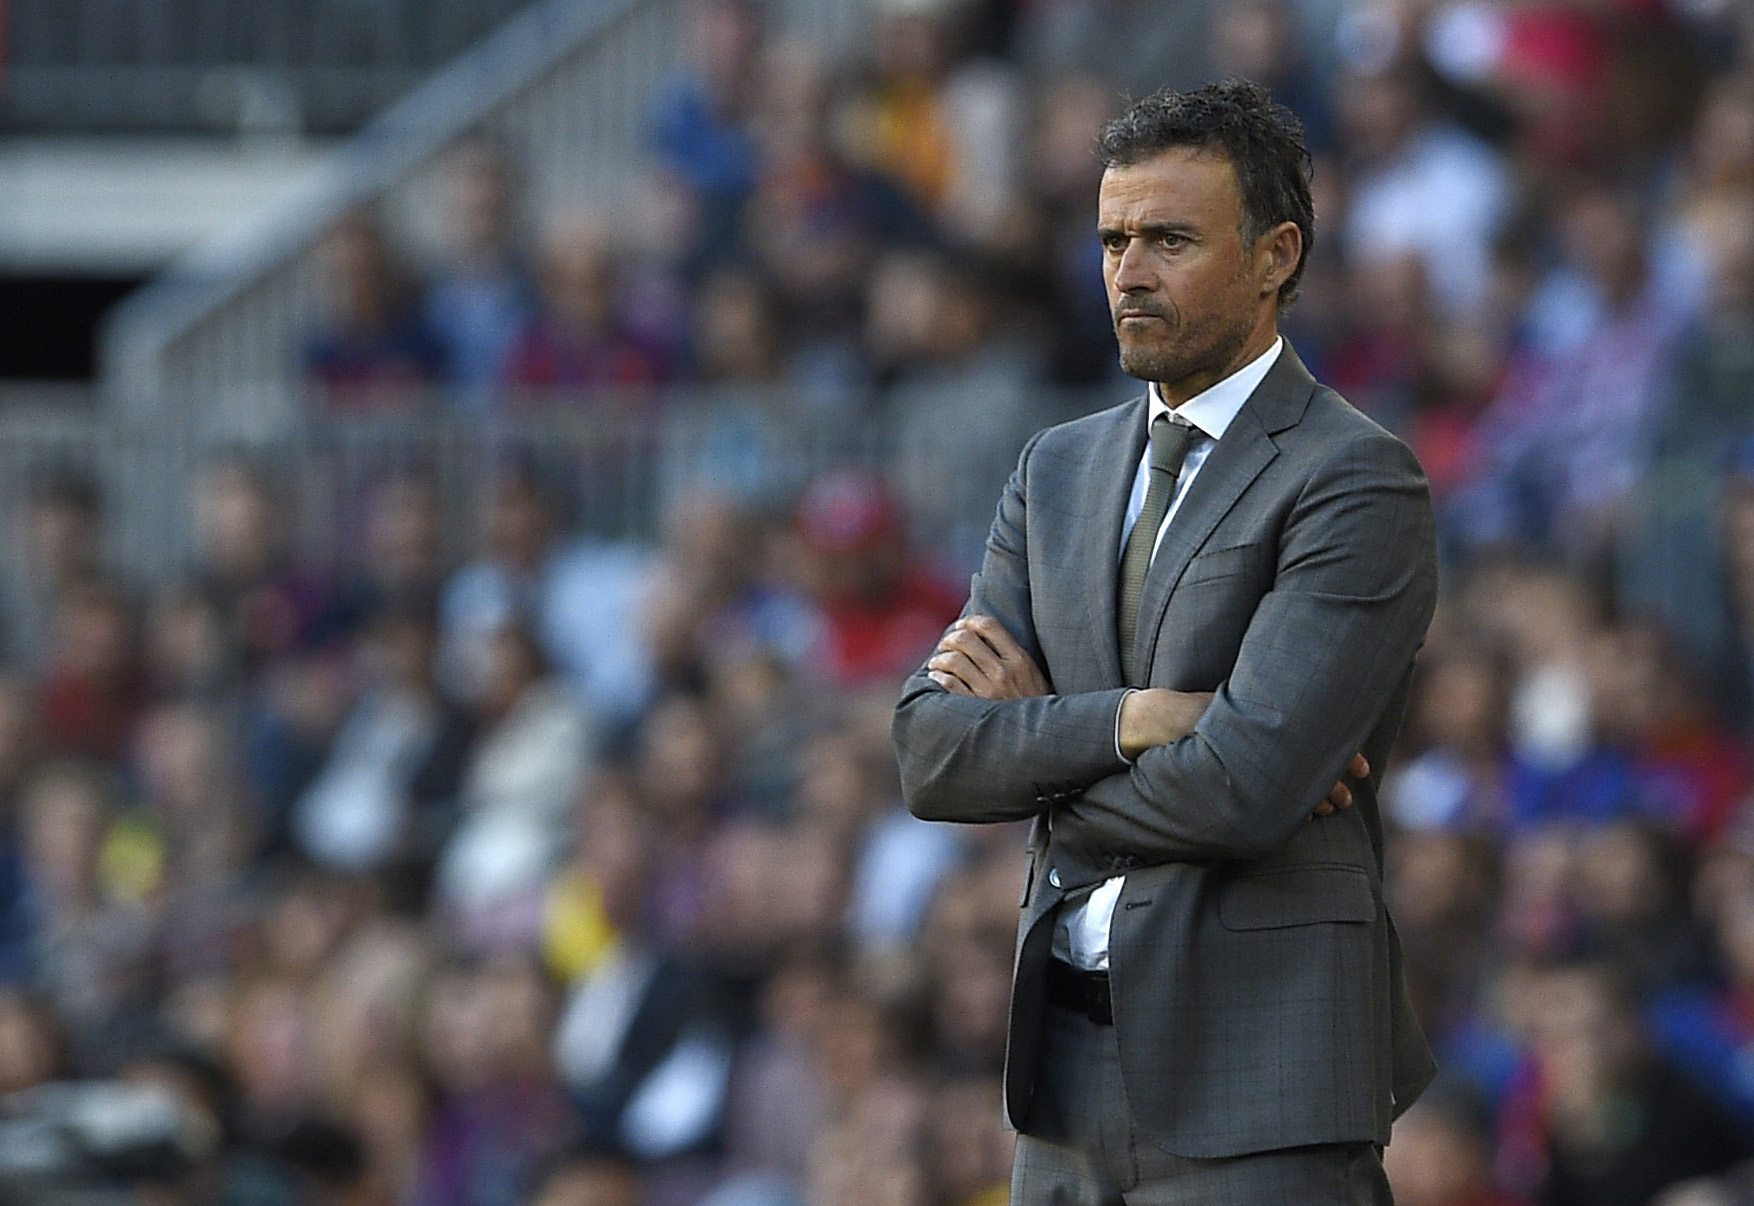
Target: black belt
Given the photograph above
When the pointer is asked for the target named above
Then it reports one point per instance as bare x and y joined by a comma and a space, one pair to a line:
1084, 992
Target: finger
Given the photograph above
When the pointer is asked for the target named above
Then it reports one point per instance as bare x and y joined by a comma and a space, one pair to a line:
1359, 767
1019, 667
1340, 796
949, 682
996, 636
959, 667
1324, 809
970, 645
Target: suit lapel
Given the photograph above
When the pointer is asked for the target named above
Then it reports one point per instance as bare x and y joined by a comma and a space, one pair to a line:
1234, 463
1113, 464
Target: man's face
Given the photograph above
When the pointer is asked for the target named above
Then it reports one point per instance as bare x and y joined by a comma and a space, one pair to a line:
1182, 288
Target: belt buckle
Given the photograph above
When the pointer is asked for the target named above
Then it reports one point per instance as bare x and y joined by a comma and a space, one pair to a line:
1085, 992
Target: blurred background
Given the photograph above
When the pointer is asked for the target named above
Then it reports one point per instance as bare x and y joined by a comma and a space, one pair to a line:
474, 473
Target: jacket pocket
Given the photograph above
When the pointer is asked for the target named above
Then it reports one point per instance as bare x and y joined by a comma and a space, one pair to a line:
1288, 896
1221, 563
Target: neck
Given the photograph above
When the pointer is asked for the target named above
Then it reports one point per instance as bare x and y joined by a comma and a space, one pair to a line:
1259, 340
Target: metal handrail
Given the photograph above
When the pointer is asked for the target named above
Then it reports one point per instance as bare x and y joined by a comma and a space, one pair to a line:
142, 330
563, 83
621, 458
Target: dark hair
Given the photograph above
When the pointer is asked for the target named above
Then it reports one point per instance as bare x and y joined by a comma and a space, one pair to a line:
1263, 140
70, 489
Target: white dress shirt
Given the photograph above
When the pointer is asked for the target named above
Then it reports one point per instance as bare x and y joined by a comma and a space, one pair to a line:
1081, 929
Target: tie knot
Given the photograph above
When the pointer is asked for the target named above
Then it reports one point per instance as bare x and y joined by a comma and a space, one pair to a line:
1170, 437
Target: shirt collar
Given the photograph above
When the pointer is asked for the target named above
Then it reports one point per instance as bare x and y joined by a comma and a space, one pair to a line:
1212, 409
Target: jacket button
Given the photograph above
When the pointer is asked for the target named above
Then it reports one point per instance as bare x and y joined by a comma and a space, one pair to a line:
1054, 876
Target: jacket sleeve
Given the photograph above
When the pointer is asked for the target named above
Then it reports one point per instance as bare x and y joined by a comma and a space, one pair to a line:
1322, 663
968, 759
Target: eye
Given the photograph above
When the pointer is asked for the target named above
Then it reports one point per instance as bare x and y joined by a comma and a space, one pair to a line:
1169, 240
1114, 241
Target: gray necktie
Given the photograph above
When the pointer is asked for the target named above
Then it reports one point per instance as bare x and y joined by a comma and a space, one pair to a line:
1170, 437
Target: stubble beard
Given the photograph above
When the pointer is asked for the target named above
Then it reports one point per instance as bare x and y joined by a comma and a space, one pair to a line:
1209, 347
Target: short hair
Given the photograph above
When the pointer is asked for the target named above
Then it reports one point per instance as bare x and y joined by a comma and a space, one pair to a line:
70, 489
1262, 139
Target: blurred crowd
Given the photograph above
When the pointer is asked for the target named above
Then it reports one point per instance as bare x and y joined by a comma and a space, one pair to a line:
491, 862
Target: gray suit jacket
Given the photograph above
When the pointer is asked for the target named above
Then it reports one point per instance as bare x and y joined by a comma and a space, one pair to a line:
1255, 973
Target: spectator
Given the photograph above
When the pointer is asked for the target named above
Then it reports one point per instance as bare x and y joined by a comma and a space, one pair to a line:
92, 689
481, 296
371, 351
1570, 436
225, 1164
1702, 1029
1458, 778
698, 125
186, 649
1691, 771
1063, 179
61, 532
578, 345
191, 845
737, 339
1259, 40
498, 1114
399, 563
89, 945
814, 225
385, 798
642, 1044
1629, 883
589, 1181
1443, 890
882, 607
267, 604
677, 782
530, 758
1711, 195
32, 1048
968, 1150
1441, 1153
1595, 1117
710, 602
738, 429
949, 133
580, 597
1138, 45
1420, 186
1687, 533
961, 391
777, 1098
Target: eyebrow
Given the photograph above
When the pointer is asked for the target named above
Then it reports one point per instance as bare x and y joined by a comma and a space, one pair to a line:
1149, 230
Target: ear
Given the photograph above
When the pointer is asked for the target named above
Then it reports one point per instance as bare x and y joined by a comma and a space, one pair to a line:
1277, 254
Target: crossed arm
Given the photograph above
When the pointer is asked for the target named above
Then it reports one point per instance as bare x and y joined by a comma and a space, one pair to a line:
978, 657
1325, 657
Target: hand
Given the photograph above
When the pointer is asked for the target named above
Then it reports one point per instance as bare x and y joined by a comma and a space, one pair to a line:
978, 657
1158, 716
1340, 796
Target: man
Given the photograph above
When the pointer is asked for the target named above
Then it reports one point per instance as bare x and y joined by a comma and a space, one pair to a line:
1207, 1003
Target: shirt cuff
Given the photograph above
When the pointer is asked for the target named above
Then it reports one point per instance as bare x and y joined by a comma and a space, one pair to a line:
1123, 703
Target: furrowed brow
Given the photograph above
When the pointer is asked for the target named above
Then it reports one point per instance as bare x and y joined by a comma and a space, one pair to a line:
1148, 230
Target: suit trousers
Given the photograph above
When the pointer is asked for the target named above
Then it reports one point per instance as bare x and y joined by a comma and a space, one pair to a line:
1082, 1146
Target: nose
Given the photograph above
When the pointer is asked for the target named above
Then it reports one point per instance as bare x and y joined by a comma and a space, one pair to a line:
1132, 271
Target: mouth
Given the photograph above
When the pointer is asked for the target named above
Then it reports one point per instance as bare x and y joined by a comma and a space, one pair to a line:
1136, 318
